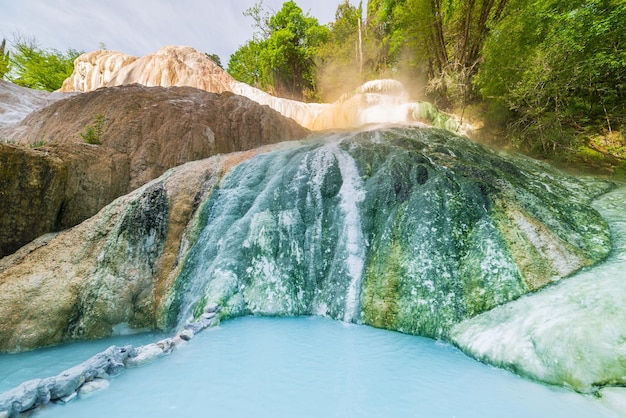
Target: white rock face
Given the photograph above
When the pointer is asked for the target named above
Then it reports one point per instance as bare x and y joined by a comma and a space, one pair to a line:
16, 102
92, 386
378, 101
169, 66
614, 398
145, 354
572, 333
95, 69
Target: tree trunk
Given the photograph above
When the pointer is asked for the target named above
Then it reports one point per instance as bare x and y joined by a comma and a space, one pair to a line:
439, 43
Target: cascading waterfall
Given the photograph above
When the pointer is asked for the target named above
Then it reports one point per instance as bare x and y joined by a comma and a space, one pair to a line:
408, 229
411, 229
414, 230
282, 235
351, 195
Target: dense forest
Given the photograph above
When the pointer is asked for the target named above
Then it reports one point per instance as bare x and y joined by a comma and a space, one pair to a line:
545, 76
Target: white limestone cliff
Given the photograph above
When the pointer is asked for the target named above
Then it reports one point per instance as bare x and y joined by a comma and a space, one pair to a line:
379, 101
93, 70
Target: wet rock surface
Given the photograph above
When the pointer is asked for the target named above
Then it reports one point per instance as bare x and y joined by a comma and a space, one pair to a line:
414, 230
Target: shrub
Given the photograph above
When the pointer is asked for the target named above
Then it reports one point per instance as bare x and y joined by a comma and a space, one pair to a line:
93, 133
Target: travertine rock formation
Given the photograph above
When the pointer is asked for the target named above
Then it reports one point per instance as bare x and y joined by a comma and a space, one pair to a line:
93, 70
413, 230
113, 268
184, 66
146, 131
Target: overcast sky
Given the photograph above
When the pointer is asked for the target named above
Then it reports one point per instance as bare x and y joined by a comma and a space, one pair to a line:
140, 27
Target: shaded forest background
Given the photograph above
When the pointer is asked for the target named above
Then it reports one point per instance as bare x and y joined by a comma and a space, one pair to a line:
546, 77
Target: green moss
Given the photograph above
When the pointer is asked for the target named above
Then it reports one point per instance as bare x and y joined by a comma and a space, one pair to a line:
437, 214
381, 286
198, 308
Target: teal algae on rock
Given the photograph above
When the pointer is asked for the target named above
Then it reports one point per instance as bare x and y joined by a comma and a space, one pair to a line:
408, 229
571, 334
274, 241
123, 289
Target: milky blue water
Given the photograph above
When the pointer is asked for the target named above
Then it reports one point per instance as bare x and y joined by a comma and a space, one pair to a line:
315, 367
45, 362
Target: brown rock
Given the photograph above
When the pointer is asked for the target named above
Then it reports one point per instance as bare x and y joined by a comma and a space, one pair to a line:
159, 128
32, 189
146, 131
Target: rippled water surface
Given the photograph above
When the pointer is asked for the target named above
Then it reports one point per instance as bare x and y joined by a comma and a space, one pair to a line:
314, 367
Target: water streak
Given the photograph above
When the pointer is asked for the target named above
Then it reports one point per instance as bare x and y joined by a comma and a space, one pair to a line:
282, 235
352, 193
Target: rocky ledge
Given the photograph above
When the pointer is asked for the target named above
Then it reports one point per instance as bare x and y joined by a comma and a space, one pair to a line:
144, 132
93, 374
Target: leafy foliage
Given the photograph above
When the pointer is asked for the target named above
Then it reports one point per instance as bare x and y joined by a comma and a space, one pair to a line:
4, 59
281, 60
341, 61
36, 68
216, 59
560, 67
93, 133
438, 40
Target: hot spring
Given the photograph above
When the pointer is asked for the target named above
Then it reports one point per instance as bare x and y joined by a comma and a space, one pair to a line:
412, 230
312, 367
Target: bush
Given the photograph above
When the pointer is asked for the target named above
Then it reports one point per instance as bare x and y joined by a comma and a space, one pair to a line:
93, 133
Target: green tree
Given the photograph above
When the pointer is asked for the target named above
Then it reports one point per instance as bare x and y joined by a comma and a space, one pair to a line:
4, 59
215, 58
244, 64
281, 58
36, 68
560, 67
380, 29
93, 133
440, 39
341, 60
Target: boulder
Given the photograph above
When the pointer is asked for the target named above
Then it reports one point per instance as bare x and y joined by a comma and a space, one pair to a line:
32, 189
